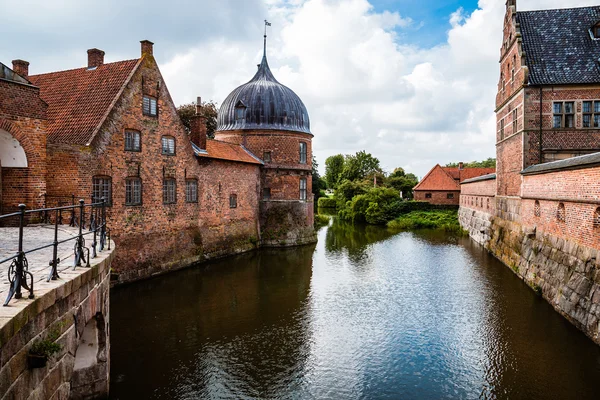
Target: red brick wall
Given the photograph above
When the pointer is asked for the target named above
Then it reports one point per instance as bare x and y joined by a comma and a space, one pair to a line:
438, 197
577, 190
479, 196
154, 236
23, 114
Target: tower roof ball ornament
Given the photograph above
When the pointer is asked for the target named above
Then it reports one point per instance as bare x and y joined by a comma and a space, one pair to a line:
263, 103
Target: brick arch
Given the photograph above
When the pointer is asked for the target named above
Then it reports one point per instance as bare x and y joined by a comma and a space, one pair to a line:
23, 139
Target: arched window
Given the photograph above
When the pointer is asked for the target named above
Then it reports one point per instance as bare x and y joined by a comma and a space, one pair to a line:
488, 204
561, 214
597, 218
537, 209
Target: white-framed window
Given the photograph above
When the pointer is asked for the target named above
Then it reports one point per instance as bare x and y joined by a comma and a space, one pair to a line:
303, 152
563, 114
168, 145
102, 188
303, 189
191, 191
133, 141
150, 106
133, 191
169, 191
233, 201
267, 156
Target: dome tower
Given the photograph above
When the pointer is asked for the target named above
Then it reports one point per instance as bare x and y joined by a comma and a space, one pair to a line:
271, 121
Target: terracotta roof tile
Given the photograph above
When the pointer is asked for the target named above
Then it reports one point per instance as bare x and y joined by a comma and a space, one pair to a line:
448, 178
226, 151
79, 99
438, 179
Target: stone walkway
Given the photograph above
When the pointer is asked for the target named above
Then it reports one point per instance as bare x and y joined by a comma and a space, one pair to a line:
33, 237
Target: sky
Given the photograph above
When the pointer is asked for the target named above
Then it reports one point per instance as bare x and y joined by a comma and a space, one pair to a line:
411, 82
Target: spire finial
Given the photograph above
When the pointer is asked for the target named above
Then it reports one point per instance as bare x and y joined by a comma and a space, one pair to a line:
267, 23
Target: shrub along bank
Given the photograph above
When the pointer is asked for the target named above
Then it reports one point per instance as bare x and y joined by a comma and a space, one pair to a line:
446, 220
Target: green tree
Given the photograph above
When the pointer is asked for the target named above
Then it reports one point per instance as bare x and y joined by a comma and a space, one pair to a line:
333, 169
208, 110
360, 166
404, 184
489, 163
318, 183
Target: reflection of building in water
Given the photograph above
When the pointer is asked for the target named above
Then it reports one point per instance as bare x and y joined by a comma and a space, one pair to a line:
242, 317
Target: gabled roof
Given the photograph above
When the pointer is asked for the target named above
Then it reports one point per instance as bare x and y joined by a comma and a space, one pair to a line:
467, 173
79, 100
438, 179
481, 178
558, 46
226, 151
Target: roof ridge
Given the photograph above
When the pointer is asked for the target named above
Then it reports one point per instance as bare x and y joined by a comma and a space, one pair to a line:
557, 9
82, 68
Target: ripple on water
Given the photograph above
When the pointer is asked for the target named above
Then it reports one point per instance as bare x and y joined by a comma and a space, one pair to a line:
365, 314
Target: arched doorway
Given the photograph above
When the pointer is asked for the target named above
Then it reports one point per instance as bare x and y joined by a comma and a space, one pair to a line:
12, 158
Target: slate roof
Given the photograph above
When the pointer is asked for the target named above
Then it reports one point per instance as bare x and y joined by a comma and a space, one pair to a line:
267, 104
558, 46
586, 161
487, 177
226, 151
438, 179
80, 99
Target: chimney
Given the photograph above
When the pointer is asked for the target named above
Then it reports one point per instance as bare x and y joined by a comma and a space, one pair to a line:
461, 165
95, 58
198, 128
21, 67
146, 47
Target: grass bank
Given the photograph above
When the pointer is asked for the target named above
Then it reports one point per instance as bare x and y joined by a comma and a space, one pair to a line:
445, 220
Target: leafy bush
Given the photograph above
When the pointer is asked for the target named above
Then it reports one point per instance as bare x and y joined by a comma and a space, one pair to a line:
46, 347
446, 220
370, 206
347, 190
326, 202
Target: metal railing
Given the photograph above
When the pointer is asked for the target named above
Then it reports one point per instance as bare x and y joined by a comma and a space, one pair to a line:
18, 272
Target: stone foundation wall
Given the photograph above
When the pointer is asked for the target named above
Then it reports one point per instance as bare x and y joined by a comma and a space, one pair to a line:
564, 272
287, 223
60, 312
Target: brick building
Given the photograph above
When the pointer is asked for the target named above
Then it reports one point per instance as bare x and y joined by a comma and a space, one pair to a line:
540, 212
441, 185
111, 130
548, 101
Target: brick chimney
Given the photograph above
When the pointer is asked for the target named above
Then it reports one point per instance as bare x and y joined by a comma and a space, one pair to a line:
198, 127
146, 47
95, 58
461, 165
21, 67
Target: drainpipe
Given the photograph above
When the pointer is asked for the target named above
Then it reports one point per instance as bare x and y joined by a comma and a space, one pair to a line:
541, 128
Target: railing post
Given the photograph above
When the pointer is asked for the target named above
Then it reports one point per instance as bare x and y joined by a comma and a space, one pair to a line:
18, 269
103, 225
95, 226
55, 260
72, 223
80, 241
92, 219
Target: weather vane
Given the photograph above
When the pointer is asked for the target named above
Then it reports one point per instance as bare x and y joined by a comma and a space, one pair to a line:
267, 23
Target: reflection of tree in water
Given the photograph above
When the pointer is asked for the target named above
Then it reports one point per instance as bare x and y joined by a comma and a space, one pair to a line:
354, 238
237, 324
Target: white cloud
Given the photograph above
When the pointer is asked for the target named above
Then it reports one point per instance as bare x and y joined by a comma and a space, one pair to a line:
364, 87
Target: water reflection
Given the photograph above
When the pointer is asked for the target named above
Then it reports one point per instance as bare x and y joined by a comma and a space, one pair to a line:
366, 314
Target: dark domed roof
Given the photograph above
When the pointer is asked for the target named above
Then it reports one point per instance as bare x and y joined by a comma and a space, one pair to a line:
263, 103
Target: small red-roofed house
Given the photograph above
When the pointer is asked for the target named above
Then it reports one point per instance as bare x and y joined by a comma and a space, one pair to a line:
441, 185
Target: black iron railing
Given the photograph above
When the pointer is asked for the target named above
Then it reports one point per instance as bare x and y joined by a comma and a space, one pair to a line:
18, 272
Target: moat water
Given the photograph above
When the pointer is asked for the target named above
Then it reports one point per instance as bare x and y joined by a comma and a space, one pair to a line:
364, 314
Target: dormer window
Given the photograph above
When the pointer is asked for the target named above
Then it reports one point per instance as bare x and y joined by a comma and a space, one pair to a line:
596, 31
240, 111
